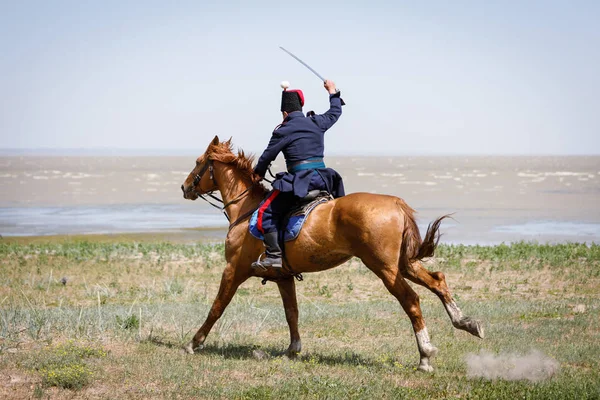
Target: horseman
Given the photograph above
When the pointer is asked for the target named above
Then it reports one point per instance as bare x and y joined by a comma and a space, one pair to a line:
301, 139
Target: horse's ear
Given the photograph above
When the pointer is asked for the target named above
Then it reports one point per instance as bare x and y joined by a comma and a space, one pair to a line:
213, 143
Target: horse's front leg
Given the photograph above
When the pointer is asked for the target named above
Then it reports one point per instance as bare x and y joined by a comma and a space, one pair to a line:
230, 281
287, 289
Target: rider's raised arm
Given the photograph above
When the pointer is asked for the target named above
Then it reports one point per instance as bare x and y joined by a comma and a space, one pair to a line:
326, 120
276, 144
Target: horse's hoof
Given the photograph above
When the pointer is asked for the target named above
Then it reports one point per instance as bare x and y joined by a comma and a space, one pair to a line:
424, 366
190, 349
293, 351
480, 333
472, 326
290, 355
475, 328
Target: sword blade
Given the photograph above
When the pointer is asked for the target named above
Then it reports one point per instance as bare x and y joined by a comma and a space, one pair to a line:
303, 63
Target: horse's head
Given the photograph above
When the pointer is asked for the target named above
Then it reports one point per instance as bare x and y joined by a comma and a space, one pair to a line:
201, 180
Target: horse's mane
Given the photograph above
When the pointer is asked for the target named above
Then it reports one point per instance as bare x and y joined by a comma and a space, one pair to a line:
223, 152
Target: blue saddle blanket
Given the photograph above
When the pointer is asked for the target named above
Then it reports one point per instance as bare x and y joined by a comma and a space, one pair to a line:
294, 225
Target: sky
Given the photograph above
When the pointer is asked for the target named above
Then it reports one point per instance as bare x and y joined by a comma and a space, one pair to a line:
422, 78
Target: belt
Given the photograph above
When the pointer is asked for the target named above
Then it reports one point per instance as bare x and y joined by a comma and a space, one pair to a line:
311, 163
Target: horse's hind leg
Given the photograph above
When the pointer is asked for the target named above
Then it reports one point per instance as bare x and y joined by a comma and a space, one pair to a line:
230, 281
409, 300
287, 289
436, 282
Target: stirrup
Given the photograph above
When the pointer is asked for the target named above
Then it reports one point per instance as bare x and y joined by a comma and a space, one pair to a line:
258, 264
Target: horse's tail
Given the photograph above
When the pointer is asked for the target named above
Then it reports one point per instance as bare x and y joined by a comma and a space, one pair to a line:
413, 247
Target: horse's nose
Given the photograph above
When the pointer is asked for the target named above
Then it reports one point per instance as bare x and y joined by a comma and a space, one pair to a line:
183, 190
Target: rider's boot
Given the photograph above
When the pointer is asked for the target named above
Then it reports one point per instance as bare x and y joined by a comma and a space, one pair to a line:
273, 253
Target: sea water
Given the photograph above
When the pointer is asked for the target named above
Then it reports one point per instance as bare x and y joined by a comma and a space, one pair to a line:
491, 199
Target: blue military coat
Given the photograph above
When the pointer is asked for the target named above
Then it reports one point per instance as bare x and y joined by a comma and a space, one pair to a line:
301, 138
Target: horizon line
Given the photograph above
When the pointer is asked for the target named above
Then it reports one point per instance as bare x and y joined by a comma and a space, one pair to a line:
117, 151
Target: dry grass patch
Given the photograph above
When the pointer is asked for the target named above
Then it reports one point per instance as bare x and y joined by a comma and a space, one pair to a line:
139, 303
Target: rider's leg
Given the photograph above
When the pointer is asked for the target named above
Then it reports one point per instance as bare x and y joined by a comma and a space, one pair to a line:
273, 251
269, 214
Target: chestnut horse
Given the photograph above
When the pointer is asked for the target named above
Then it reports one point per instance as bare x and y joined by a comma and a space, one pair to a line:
379, 229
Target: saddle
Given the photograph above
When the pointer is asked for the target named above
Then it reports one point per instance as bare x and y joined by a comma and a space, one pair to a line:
292, 223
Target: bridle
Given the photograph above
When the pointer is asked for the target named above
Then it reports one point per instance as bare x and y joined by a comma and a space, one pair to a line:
208, 165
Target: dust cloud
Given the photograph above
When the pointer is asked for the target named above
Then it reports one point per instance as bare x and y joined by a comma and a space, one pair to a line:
533, 367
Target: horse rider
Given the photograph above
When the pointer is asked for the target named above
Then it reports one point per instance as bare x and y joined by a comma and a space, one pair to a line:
301, 139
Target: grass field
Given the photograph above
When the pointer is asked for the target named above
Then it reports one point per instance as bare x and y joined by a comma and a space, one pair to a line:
107, 319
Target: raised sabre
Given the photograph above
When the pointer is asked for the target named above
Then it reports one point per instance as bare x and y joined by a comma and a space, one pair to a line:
303, 63
311, 70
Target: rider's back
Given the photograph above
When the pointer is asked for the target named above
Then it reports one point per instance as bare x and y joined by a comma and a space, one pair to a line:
304, 139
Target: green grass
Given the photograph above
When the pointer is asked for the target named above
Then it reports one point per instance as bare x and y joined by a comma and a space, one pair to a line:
115, 329
64, 366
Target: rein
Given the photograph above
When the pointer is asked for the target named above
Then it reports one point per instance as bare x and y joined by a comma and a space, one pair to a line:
209, 165
249, 213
